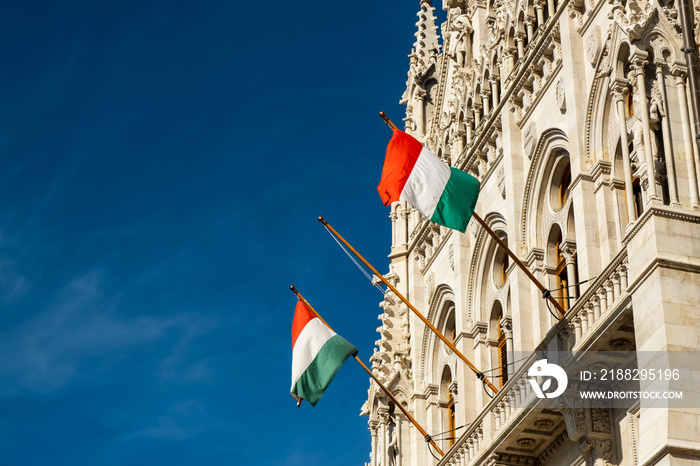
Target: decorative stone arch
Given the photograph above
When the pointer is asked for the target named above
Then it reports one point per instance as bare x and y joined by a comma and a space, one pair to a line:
510, 42
570, 226
481, 269
552, 142
495, 312
600, 121
433, 356
550, 253
664, 44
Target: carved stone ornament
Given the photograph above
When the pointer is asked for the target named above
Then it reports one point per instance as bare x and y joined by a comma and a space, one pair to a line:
634, 17
574, 416
592, 45
597, 452
529, 140
561, 94
600, 420
621, 344
526, 442
544, 424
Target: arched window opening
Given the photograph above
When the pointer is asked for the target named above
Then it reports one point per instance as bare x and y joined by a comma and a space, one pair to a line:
502, 353
637, 197
501, 356
561, 182
629, 105
501, 263
564, 184
561, 266
562, 277
450, 330
660, 165
449, 408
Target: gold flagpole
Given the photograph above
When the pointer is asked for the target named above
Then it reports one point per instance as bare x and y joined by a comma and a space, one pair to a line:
545, 292
425, 435
387, 120
442, 337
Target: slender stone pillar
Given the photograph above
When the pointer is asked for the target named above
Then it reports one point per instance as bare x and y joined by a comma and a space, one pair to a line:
519, 37
529, 29
539, 9
638, 68
373, 432
620, 90
679, 75
419, 111
666, 130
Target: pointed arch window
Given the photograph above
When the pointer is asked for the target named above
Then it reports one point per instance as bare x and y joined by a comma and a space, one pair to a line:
502, 353
562, 277
449, 425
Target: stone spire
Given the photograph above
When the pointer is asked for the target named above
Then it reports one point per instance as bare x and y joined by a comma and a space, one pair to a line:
427, 39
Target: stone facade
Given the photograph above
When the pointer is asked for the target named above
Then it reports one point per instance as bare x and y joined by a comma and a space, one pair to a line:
574, 115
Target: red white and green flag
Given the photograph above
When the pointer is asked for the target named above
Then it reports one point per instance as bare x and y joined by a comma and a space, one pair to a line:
446, 195
317, 354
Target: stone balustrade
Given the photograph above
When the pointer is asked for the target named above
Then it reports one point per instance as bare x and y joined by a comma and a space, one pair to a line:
602, 296
515, 399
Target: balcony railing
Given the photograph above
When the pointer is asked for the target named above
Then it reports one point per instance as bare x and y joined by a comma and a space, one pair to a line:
604, 296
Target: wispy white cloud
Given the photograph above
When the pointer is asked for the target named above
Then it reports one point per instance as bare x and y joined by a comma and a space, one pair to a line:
82, 334
181, 421
12, 284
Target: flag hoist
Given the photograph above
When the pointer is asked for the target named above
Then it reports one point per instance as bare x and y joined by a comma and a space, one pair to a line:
446, 195
316, 344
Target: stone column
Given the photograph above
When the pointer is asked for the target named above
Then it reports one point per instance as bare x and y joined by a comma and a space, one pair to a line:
399, 424
384, 419
419, 111
638, 65
679, 75
494, 91
539, 10
519, 37
568, 251
393, 216
620, 91
468, 122
373, 425
457, 146
507, 328
509, 55
476, 107
666, 130
485, 101
529, 28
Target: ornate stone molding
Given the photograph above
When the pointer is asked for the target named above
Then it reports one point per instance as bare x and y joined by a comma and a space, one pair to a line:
590, 425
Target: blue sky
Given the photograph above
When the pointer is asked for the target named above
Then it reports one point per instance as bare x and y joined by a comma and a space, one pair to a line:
162, 168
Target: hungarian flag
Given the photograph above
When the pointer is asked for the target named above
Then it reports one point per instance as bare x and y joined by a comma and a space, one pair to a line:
317, 354
446, 195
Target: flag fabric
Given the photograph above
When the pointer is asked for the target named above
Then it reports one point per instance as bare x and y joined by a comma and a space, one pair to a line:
446, 195
317, 354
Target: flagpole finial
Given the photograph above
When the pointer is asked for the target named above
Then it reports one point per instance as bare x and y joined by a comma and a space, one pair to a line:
293, 288
387, 120
322, 220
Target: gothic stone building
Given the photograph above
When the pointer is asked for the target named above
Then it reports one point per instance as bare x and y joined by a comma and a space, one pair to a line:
575, 117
